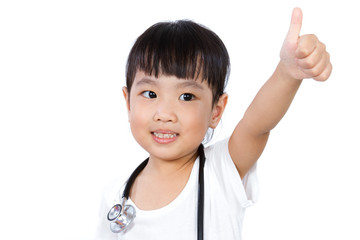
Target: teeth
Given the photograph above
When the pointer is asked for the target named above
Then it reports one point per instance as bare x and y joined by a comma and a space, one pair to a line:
164, 135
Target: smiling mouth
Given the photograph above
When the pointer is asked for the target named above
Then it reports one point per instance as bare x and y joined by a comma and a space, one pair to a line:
165, 135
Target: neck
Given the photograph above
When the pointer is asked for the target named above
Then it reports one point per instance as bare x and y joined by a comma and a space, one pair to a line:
166, 168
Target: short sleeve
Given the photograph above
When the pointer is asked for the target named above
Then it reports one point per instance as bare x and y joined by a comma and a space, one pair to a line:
251, 184
244, 191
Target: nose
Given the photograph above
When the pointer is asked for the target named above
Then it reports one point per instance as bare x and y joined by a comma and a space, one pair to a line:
165, 112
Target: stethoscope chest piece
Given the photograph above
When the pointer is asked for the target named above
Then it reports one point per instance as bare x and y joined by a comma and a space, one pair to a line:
121, 217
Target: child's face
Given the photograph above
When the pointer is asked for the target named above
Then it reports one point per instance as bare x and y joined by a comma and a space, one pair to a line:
169, 116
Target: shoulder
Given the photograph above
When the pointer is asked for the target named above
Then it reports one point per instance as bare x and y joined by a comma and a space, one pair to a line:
220, 149
218, 154
222, 174
219, 163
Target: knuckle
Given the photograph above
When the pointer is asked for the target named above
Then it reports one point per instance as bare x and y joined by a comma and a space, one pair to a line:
322, 47
316, 71
328, 56
322, 77
310, 63
325, 74
313, 37
313, 72
303, 52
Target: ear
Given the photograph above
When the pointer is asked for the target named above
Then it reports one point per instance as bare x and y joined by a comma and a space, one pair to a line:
218, 110
127, 97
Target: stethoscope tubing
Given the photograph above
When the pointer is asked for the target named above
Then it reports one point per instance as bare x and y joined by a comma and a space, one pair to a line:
200, 220
129, 183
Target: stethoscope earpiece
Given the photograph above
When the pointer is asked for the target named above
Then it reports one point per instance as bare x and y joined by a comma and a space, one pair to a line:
120, 217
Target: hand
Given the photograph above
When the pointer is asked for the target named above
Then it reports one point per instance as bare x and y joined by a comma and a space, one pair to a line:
304, 56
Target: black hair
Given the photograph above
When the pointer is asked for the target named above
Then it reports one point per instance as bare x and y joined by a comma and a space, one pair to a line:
183, 49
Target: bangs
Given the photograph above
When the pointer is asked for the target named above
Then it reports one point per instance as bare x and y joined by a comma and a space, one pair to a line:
183, 49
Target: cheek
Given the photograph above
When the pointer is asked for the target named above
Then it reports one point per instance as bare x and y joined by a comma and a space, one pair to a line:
197, 118
137, 118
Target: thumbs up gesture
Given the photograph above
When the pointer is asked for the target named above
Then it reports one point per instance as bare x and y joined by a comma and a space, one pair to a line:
304, 56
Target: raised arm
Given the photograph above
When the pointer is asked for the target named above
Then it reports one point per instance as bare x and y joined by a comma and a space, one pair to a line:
300, 58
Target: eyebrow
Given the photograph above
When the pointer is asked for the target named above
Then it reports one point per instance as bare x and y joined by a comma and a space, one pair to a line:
145, 81
190, 83
187, 83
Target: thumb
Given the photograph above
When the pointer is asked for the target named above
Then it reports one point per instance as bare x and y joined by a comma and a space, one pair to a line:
295, 25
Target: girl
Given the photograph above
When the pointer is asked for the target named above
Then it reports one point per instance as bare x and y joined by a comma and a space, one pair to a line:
176, 75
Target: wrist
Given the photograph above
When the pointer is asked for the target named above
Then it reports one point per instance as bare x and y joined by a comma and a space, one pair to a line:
285, 72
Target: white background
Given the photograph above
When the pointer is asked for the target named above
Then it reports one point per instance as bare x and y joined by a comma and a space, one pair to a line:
63, 124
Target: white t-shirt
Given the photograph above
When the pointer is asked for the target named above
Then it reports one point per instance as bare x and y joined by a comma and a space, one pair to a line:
225, 199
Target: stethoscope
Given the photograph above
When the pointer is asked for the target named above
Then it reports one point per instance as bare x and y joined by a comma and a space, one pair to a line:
122, 215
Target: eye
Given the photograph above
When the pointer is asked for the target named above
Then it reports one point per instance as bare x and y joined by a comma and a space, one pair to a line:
149, 94
187, 97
